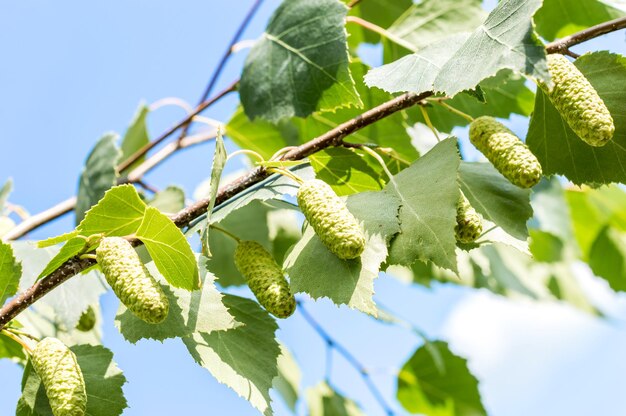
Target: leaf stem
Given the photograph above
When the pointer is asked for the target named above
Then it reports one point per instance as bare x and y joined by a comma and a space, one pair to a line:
382, 32
246, 152
17, 339
287, 173
379, 159
225, 232
429, 123
454, 110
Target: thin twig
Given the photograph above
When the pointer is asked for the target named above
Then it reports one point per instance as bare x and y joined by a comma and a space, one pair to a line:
220, 66
562, 45
382, 32
351, 359
331, 138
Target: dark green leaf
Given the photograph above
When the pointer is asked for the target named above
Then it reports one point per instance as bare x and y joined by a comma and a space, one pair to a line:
98, 175
136, 136
435, 381
284, 76
608, 258
11, 349
347, 171
561, 151
10, 272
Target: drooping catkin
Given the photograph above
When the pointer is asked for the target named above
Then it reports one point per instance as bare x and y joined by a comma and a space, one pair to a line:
469, 224
61, 376
338, 229
508, 154
265, 278
578, 102
131, 281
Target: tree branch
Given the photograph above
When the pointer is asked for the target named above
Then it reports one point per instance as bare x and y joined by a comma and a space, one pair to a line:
354, 362
220, 66
333, 137
562, 45
64, 207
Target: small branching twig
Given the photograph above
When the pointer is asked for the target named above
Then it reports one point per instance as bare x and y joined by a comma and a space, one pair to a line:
563, 45
350, 358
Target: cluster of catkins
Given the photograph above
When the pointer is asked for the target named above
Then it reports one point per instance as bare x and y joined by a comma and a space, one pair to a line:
336, 227
580, 106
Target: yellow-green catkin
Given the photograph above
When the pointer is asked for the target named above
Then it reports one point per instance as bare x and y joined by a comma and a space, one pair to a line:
469, 223
131, 281
578, 102
265, 278
62, 379
508, 154
338, 229
87, 320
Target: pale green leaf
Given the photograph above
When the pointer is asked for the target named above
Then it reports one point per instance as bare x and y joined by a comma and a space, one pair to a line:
219, 160
170, 200
67, 301
136, 135
300, 65
5, 191
169, 249
313, 269
496, 198
505, 40
98, 175
435, 381
189, 312
560, 18
322, 400
71, 248
244, 358
103, 383
561, 151
287, 382
427, 233
10, 272
53, 241
346, 171
119, 213
11, 349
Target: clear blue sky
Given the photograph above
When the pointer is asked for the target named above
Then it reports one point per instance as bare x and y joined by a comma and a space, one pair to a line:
72, 71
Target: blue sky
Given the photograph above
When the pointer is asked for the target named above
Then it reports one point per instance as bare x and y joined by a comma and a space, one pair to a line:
73, 71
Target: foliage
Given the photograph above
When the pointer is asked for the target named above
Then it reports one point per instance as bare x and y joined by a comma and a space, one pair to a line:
303, 88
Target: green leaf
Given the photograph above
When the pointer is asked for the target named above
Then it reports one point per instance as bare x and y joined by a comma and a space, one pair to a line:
190, 312
11, 349
119, 213
53, 241
427, 233
345, 170
73, 247
103, 383
313, 269
505, 40
435, 381
170, 200
504, 94
169, 249
98, 175
608, 258
244, 358
136, 135
379, 12
561, 151
287, 382
493, 196
219, 160
322, 400
284, 76
10, 272
560, 18
431, 21
418, 71
67, 301
5, 191
546, 247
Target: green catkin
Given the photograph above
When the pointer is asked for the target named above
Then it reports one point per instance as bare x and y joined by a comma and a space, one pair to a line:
508, 154
61, 377
265, 278
131, 281
333, 223
578, 102
87, 320
469, 224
